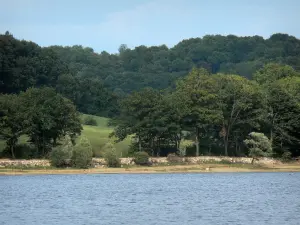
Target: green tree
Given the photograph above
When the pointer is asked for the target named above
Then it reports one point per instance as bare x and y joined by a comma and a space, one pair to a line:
11, 120
241, 104
272, 72
49, 116
259, 145
283, 101
136, 110
198, 101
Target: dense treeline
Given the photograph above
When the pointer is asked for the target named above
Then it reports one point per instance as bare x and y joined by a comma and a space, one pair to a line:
95, 81
235, 86
218, 112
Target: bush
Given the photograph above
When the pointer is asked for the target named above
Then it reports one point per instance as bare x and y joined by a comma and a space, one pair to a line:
141, 158
110, 155
89, 120
173, 158
82, 154
59, 158
112, 160
259, 145
286, 156
61, 155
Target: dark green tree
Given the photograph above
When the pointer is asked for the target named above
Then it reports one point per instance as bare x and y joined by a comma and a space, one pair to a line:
11, 120
49, 117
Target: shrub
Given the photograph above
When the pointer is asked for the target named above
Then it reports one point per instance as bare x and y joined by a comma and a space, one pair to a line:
61, 155
259, 145
141, 158
112, 160
173, 158
286, 156
82, 154
110, 155
89, 120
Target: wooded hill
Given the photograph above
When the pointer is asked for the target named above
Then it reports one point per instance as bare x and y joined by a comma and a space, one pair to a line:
94, 81
226, 95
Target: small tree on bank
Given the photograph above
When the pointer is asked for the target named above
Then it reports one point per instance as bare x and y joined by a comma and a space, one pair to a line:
82, 154
259, 146
61, 155
110, 155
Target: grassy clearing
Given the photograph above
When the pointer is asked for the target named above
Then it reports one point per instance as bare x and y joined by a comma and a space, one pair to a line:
97, 135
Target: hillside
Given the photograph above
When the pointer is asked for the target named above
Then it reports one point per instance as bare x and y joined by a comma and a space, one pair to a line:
95, 81
98, 136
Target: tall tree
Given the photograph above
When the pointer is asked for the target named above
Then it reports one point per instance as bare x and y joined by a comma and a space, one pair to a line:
283, 101
241, 103
49, 117
198, 102
135, 114
11, 120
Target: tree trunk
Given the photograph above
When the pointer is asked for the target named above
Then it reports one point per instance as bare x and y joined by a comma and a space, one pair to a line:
140, 144
152, 147
271, 137
197, 142
12, 151
225, 135
54, 142
226, 147
226, 141
12, 143
43, 145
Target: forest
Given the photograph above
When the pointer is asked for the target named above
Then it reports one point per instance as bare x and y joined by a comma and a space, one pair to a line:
207, 94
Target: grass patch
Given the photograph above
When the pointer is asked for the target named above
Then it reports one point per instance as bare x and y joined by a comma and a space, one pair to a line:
98, 137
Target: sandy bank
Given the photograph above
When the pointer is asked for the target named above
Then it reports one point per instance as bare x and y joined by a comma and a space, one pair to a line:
207, 168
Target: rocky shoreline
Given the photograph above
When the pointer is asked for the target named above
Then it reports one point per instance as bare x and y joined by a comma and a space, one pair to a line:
100, 162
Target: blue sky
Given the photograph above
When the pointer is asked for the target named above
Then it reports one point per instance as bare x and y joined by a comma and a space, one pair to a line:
105, 25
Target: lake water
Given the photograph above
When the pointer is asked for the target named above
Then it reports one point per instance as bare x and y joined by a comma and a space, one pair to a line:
135, 199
